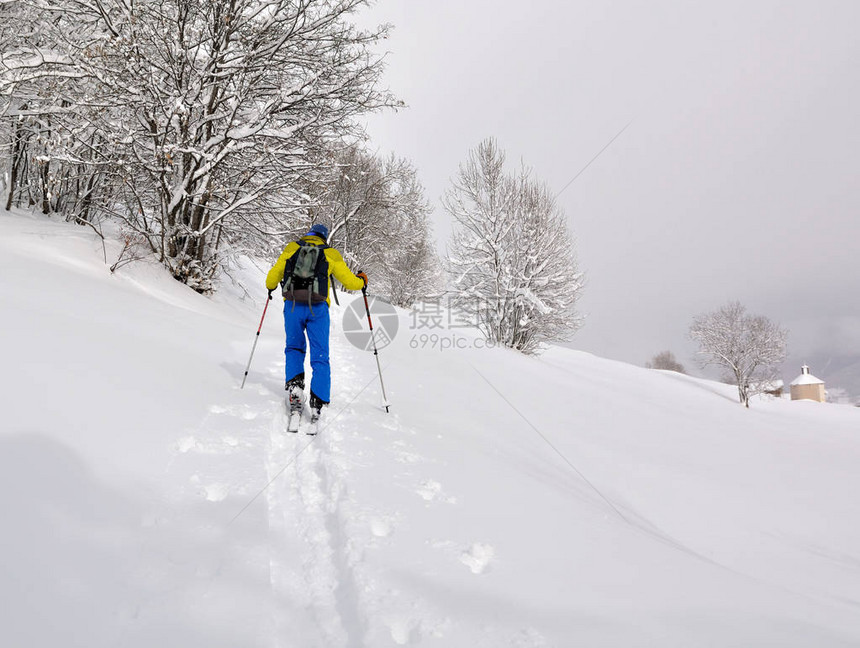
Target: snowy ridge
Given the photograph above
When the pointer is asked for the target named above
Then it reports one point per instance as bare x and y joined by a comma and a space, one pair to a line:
504, 501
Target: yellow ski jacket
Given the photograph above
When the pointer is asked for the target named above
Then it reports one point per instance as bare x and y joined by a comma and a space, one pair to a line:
336, 266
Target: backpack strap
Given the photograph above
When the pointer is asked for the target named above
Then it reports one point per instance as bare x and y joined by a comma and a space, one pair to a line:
290, 266
321, 273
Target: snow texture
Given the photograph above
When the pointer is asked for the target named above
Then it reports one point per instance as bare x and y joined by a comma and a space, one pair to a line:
148, 501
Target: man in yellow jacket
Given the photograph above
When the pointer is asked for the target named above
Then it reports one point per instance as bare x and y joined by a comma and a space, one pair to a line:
304, 270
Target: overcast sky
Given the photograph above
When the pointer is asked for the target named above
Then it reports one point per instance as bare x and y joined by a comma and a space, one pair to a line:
738, 177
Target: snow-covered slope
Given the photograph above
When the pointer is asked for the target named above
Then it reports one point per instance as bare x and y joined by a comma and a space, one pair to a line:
504, 501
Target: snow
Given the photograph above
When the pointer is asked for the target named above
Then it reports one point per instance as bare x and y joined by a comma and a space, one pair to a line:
505, 501
807, 379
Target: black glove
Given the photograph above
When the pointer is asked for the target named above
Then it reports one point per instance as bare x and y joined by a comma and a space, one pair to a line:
270, 295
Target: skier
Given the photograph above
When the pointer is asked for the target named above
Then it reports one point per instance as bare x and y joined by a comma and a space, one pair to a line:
303, 269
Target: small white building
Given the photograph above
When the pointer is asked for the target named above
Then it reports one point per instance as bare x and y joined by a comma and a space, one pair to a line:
807, 387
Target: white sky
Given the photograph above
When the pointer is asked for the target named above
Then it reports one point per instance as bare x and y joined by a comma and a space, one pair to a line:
738, 178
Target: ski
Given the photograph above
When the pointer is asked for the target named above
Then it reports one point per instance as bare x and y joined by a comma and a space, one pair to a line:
295, 420
295, 408
295, 405
313, 428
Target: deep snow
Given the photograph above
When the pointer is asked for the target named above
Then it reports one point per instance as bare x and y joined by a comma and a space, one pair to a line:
505, 501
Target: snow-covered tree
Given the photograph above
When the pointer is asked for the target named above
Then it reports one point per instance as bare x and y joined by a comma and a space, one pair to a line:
511, 258
749, 348
53, 153
666, 361
209, 114
379, 218
412, 269
27, 106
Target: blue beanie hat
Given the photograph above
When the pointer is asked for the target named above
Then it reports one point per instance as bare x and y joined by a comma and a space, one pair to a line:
319, 230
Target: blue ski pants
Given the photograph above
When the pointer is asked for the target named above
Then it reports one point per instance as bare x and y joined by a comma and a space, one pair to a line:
299, 319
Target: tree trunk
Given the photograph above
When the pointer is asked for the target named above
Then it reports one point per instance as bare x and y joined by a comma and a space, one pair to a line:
44, 173
14, 173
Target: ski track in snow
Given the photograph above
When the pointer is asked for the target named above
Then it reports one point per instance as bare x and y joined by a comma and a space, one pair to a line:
311, 553
377, 533
326, 594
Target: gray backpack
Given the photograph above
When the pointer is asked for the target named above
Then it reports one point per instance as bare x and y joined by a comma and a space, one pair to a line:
306, 274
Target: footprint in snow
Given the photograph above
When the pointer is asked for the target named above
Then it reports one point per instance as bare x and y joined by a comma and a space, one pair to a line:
216, 492
224, 445
431, 490
528, 638
381, 527
406, 457
243, 412
479, 557
186, 444
212, 492
403, 454
404, 631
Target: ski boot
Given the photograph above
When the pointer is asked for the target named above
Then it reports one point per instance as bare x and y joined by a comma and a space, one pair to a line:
316, 405
295, 404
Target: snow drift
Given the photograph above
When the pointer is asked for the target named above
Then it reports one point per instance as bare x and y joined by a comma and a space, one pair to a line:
505, 501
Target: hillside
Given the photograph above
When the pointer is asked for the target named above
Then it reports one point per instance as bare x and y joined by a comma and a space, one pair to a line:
505, 501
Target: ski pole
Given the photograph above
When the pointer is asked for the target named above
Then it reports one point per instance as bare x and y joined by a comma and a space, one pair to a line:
256, 339
375, 352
